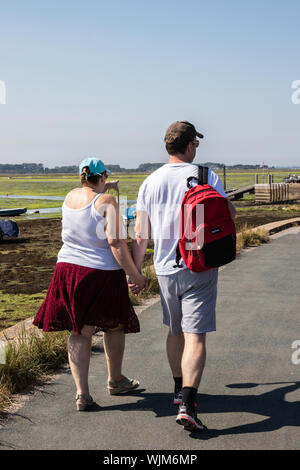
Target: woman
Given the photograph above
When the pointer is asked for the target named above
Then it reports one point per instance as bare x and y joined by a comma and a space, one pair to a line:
89, 287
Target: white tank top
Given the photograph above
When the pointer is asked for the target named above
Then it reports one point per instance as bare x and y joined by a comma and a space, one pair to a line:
84, 239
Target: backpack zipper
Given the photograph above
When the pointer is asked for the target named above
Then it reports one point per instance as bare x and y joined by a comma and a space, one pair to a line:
198, 192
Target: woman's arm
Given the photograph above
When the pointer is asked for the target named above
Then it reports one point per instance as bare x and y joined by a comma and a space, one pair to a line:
107, 206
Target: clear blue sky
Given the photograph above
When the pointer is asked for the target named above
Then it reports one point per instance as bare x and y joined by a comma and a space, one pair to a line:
105, 79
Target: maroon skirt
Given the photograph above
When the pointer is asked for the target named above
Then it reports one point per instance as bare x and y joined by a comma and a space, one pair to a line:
79, 296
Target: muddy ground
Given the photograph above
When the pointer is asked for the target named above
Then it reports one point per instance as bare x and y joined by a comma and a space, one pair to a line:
27, 263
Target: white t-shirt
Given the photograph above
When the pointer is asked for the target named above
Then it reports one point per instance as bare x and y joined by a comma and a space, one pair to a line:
161, 195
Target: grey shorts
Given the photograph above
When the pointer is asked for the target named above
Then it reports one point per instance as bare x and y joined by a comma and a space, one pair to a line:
189, 300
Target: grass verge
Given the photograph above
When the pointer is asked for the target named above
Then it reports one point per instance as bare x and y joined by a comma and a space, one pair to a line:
248, 237
29, 360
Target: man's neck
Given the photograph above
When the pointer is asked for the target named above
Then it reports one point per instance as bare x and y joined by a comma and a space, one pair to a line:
178, 159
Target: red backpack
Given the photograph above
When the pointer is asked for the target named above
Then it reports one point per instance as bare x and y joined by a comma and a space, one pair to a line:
207, 239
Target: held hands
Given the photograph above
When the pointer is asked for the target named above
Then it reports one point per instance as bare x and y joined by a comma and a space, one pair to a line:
138, 283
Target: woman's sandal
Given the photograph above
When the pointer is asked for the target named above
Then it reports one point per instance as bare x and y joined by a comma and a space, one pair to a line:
124, 385
87, 401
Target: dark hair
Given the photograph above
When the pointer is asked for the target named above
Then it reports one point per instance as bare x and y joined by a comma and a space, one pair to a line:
85, 176
178, 145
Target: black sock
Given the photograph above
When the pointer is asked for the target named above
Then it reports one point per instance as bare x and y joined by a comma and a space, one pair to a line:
189, 397
178, 384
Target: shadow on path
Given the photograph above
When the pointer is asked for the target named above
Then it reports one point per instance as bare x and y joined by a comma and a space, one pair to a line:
278, 412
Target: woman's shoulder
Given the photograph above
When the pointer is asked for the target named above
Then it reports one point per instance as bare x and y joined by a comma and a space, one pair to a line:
74, 193
105, 199
78, 199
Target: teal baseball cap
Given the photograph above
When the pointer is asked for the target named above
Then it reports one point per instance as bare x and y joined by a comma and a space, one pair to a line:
96, 166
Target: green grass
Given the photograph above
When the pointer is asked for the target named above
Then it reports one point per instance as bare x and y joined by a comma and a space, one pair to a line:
17, 307
238, 179
49, 186
54, 215
44, 187
9, 203
283, 208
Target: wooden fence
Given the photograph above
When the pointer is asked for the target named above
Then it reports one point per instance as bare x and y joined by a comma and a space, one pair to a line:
277, 192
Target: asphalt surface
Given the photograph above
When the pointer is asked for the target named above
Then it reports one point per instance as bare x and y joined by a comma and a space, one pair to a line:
250, 392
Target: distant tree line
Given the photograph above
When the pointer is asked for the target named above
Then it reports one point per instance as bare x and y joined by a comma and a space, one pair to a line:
22, 168
39, 168
142, 168
245, 167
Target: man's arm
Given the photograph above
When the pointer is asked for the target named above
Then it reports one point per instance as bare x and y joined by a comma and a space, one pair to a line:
142, 235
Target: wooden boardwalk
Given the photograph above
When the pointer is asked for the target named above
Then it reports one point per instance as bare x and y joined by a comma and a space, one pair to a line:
239, 193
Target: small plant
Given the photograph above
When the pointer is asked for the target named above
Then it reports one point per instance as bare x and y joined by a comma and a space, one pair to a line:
29, 359
247, 237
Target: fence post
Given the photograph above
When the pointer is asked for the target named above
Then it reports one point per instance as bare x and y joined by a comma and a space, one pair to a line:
256, 179
270, 179
224, 177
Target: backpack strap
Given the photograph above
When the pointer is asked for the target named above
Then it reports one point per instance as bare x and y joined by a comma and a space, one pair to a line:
178, 258
202, 176
202, 179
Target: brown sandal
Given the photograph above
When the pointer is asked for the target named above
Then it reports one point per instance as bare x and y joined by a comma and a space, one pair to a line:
87, 401
124, 385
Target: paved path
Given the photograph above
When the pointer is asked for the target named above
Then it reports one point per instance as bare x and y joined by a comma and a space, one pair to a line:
250, 392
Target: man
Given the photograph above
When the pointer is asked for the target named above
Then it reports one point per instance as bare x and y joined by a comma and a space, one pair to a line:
188, 299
